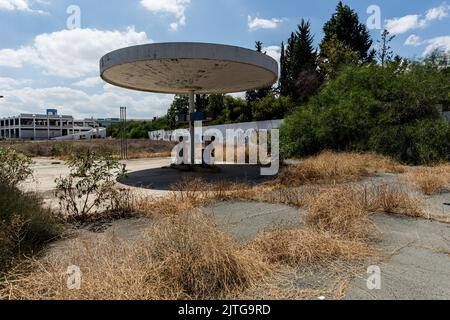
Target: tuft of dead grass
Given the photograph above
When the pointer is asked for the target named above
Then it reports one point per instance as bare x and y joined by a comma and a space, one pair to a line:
204, 262
338, 210
392, 199
189, 194
307, 248
345, 210
429, 180
182, 257
331, 167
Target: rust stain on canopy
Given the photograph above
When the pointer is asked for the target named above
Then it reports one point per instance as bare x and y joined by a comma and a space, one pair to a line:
183, 67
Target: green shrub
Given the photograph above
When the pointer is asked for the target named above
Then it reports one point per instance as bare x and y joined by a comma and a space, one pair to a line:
272, 108
395, 110
14, 167
90, 186
24, 225
61, 149
423, 142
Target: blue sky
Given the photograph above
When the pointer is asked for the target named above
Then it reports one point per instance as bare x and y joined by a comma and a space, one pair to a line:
46, 63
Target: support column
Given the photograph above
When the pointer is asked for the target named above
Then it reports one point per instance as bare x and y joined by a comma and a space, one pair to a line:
34, 127
20, 127
191, 124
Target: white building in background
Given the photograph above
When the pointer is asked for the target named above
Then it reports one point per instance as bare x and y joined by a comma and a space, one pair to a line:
47, 127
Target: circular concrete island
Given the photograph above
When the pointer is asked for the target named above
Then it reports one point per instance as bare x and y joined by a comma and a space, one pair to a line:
179, 68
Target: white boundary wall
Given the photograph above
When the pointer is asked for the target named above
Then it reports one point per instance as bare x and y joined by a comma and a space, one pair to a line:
163, 135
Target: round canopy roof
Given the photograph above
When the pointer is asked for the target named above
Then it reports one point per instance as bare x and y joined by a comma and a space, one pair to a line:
182, 67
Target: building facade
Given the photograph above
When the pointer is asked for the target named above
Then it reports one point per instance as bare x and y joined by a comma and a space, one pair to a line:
43, 126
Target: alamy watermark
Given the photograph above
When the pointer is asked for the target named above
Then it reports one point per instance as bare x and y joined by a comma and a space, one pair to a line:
374, 280
374, 21
238, 146
73, 278
74, 19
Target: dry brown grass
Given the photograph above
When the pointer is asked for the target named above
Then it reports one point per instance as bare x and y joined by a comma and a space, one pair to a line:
181, 257
142, 148
344, 210
184, 256
189, 194
391, 199
429, 180
331, 167
338, 210
306, 248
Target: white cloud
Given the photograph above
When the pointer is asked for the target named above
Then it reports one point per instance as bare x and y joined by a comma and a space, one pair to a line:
177, 8
89, 82
404, 24
438, 43
18, 5
274, 52
70, 53
10, 83
417, 21
413, 40
82, 105
259, 23
438, 13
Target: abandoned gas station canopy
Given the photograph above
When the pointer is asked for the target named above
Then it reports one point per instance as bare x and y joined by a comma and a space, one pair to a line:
180, 68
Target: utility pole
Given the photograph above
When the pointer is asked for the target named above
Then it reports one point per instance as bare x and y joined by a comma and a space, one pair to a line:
191, 124
123, 134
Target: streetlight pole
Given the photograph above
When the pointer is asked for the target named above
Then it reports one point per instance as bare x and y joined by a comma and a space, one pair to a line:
191, 124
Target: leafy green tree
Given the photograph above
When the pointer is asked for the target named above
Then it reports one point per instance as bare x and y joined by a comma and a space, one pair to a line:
338, 56
272, 108
345, 25
238, 110
216, 105
179, 105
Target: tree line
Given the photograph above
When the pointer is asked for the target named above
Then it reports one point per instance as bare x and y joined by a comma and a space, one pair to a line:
342, 95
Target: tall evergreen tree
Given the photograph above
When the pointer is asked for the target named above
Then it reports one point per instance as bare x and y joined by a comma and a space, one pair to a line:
259, 94
385, 53
305, 69
283, 71
299, 78
287, 82
304, 53
345, 24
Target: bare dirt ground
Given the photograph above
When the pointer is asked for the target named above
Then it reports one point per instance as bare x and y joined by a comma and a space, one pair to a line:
416, 264
46, 170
